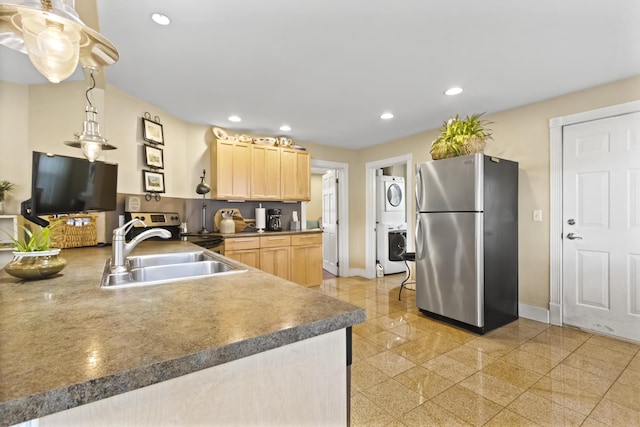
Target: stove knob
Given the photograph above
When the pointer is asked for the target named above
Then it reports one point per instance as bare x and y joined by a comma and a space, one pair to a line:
142, 218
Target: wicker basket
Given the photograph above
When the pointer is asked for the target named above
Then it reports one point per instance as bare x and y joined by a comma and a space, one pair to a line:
69, 235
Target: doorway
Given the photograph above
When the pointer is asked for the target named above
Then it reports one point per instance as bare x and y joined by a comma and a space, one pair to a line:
330, 197
595, 205
372, 168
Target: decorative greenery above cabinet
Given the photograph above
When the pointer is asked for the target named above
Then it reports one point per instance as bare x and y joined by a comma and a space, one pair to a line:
246, 171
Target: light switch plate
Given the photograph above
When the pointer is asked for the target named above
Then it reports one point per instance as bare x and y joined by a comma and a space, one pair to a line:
537, 215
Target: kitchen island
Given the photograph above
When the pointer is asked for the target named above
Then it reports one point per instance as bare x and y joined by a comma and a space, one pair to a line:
235, 349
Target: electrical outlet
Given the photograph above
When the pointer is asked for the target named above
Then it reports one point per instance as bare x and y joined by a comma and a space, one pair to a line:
537, 215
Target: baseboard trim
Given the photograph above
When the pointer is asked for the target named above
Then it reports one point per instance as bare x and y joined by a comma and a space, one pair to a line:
533, 313
555, 314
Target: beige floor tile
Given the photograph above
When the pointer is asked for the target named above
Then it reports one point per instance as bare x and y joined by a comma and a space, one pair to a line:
449, 368
429, 414
437, 343
363, 349
614, 344
625, 395
528, 323
635, 363
558, 340
491, 345
614, 414
507, 418
396, 423
424, 382
581, 380
565, 394
592, 422
545, 412
512, 338
366, 414
494, 389
390, 363
629, 377
387, 322
367, 329
469, 406
408, 331
386, 340
364, 376
606, 354
415, 352
470, 355
512, 374
393, 397
530, 361
569, 332
541, 349
594, 366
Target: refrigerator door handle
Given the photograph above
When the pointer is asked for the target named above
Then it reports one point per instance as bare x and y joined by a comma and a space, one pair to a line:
419, 239
419, 187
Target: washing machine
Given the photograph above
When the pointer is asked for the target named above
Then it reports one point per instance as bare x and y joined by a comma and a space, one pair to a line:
392, 245
390, 200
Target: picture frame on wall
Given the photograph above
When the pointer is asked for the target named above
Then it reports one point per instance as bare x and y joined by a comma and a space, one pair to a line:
152, 131
154, 157
153, 182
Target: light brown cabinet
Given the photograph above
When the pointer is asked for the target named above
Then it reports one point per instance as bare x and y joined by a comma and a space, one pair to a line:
296, 257
231, 161
306, 259
244, 171
243, 249
275, 254
265, 172
295, 175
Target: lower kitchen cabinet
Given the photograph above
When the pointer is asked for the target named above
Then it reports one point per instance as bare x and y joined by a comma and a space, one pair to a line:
306, 259
243, 249
296, 257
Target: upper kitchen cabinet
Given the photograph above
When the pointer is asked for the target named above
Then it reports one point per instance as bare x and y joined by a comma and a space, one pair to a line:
265, 172
232, 176
296, 174
246, 171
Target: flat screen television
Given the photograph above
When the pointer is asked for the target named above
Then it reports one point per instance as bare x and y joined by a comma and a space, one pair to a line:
62, 185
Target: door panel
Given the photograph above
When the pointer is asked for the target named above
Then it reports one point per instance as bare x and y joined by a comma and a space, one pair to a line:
330, 222
601, 225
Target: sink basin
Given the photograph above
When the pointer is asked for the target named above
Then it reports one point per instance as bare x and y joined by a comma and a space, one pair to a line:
165, 259
156, 269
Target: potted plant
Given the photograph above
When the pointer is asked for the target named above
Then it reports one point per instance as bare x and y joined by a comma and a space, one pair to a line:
5, 187
459, 137
34, 258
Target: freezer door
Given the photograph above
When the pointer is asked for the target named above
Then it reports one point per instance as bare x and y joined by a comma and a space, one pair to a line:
450, 185
449, 266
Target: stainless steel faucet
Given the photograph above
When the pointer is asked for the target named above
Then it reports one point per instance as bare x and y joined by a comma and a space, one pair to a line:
121, 248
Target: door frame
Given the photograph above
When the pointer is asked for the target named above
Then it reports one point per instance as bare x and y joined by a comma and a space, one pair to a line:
555, 175
370, 205
342, 171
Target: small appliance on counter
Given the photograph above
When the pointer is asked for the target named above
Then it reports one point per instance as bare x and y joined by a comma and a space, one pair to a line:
274, 221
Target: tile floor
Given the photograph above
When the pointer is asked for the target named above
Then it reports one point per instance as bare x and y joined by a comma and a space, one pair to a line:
409, 370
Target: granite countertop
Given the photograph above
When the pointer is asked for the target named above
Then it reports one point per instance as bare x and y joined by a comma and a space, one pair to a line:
65, 341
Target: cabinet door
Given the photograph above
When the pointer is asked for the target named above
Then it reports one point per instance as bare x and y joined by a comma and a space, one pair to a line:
265, 172
251, 257
296, 174
232, 162
306, 265
276, 261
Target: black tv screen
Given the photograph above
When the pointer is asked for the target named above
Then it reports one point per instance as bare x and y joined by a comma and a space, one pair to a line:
61, 184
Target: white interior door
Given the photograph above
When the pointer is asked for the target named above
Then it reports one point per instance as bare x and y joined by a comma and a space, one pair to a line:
601, 225
330, 222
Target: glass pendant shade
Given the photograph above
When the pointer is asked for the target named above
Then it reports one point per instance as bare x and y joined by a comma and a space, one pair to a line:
91, 150
52, 48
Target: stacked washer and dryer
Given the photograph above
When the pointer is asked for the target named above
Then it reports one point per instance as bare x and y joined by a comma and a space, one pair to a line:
391, 225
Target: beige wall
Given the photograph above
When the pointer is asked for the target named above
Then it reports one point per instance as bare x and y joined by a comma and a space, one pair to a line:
41, 117
314, 207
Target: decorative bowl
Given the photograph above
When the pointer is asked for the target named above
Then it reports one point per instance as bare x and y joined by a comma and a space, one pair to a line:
35, 265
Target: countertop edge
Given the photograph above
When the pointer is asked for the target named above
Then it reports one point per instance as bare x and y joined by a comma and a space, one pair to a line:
56, 400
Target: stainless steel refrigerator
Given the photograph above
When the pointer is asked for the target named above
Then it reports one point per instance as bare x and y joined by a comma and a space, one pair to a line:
467, 241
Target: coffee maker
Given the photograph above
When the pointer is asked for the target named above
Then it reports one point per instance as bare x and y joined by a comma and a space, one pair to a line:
274, 223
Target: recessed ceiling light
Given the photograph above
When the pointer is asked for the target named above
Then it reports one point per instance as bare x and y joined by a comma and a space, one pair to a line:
285, 128
453, 91
234, 119
386, 116
160, 19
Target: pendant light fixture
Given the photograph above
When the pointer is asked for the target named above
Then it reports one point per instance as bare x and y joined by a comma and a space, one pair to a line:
90, 141
53, 36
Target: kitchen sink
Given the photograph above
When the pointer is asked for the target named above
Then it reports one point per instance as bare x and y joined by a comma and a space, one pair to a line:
156, 269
